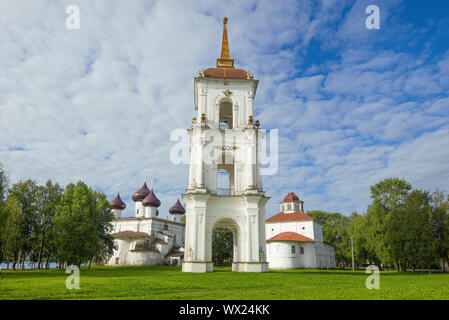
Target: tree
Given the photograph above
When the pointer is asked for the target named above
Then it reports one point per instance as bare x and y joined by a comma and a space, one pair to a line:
25, 192
3, 184
440, 226
10, 229
419, 241
222, 247
389, 198
362, 252
3, 211
81, 225
48, 197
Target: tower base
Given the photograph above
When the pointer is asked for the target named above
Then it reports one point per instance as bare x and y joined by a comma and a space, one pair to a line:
208, 266
197, 266
250, 266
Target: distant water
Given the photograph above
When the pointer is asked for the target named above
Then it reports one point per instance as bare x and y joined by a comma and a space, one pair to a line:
28, 266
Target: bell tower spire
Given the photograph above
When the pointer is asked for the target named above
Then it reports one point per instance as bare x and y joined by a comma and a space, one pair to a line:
225, 62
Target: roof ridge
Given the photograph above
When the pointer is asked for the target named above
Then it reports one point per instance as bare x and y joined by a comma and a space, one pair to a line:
290, 236
293, 216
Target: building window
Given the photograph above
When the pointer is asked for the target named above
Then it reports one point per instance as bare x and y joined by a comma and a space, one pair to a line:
301, 250
225, 116
289, 206
293, 249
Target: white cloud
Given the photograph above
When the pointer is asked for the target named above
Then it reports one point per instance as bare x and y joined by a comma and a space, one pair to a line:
98, 104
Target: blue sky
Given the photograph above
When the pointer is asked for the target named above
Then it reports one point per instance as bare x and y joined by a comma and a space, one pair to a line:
352, 106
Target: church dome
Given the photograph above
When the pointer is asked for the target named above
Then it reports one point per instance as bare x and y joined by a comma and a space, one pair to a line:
290, 197
117, 203
177, 208
140, 194
151, 200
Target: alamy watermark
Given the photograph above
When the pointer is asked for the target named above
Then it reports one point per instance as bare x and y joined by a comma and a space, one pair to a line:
373, 281
73, 280
226, 147
72, 22
373, 20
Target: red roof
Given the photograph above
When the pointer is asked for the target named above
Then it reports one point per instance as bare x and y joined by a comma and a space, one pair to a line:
230, 73
130, 234
291, 197
295, 216
290, 236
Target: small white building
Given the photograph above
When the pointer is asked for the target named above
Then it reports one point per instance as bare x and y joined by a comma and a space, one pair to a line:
295, 239
146, 239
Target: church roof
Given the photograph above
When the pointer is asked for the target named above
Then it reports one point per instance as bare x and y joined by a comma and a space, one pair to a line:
284, 217
290, 236
130, 234
151, 200
140, 194
290, 197
177, 208
117, 203
226, 73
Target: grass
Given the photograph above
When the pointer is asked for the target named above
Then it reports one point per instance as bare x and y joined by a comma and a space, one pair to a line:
163, 282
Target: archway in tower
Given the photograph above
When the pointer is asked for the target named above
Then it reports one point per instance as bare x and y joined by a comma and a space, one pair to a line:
225, 250
225, 115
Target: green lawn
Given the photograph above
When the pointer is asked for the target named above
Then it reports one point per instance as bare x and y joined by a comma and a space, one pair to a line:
161, 282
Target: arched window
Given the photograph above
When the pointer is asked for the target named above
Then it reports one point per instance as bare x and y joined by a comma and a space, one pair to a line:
225, 118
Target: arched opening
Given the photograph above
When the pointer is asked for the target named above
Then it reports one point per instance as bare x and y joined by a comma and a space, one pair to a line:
225, 118
225, 174
225, 243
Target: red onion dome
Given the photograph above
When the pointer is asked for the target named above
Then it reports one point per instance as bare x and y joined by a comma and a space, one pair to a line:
140, 194
291, 197
117, 203
177, 208
151, 200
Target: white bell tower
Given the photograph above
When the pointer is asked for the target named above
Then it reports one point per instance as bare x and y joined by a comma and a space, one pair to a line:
225, 186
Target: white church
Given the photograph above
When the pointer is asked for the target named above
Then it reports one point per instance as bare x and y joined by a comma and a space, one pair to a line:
146, 239
295, 239
225, 192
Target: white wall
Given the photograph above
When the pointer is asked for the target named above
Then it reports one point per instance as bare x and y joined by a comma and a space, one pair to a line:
280, 255
305, 228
